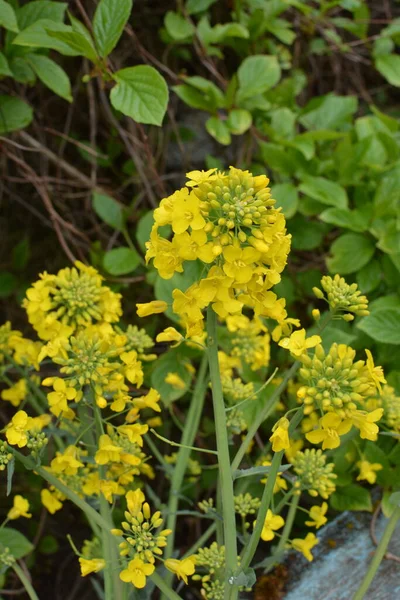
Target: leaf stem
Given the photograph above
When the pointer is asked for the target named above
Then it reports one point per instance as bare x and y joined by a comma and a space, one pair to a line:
25, 582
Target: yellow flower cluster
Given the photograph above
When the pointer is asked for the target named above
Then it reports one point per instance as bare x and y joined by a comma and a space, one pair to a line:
226, 220
250, 341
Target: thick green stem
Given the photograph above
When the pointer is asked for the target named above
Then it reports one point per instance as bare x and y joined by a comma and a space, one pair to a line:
251, 547
379, 555
262, 415
25, 582
224, 461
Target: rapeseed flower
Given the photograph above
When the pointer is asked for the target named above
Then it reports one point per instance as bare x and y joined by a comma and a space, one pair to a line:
19, 509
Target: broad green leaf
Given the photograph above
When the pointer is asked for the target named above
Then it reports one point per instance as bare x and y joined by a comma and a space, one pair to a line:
109, 21
325, 191
387, 196
307, 235
351, 497
287, 197
218, 130
219, 33
21, 70
76, 41
239, 121
369, 277
177, 26
121, 261
141, 93
283, 122
356, 220
198, 92
8, 18
14, 114
40, 9
143, 229
172, 361
383, 325
388, 65
37, 36
109, 210
328, 112
350, 252
192, 97
5, 70
193, 7
14, 540
51, 74
256, 75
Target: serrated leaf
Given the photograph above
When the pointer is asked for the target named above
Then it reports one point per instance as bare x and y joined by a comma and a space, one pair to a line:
8, 18
350, 252
351, 497
51, 74
14, 114
141, 93
37, 36
76, 41
40, 9
109, 21
356, 220
14, 540
256, 75
121, 261
383, 325
325, 191
109, 210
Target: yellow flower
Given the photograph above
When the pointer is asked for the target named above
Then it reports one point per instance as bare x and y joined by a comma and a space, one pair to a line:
134, 500
16, 431
331, 427
280, 436
92, 565
376, 373
151, 400
134, 432
195, 245
175, 381
297, 343
50, 501
239, 263
62, 393
107, 451
16, 393
181, 568
305, 546
133, 367
197, 177
170, 334
19, 509
368, 470
186, 213
66, 462
365, 422
317, 515
272, 523
137, 572
151, 308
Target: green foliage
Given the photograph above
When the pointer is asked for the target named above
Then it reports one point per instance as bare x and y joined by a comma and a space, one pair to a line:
14, 114
351, 497
109, 21
14, 540
121, 261
383, 325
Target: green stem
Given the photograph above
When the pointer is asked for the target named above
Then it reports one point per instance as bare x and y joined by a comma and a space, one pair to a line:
262, 415
224, 461
164, 587
288, 524
251, 547
25, 582
188, 436
379, 555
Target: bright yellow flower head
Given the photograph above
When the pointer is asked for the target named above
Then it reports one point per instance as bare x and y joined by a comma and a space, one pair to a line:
305, 546
376, 373
16, 393
181, 568
91, 565
50, 501
271, 524
297, 343
331, 427
136, 573
175, 381
151, 308
66, 462
366, 423
17, 430
170, 334
280, 436
19, 509
368, 471
317, 515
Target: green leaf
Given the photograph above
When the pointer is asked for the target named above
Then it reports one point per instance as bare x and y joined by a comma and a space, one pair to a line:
239, 121
307, 235
8, 283
351, 497
4, 68
51, 74
198, 92
14, 114
143, 229
246, 578
109, 21
177, 26
14, 540
8, 18
369, 277
21, 70
109, 210
10, 473
328, 112
121, 261
218, 130
172, 361
256, 75
76, 41
388, 506
140, 93
325, 191
40, 9
383, 325
193, 7
388, 65
356, 220
287, 197
37, 36
350, 252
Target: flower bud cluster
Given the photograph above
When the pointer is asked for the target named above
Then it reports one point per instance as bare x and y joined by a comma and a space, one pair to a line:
5, 455
342, 297
246, 504
314, 475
